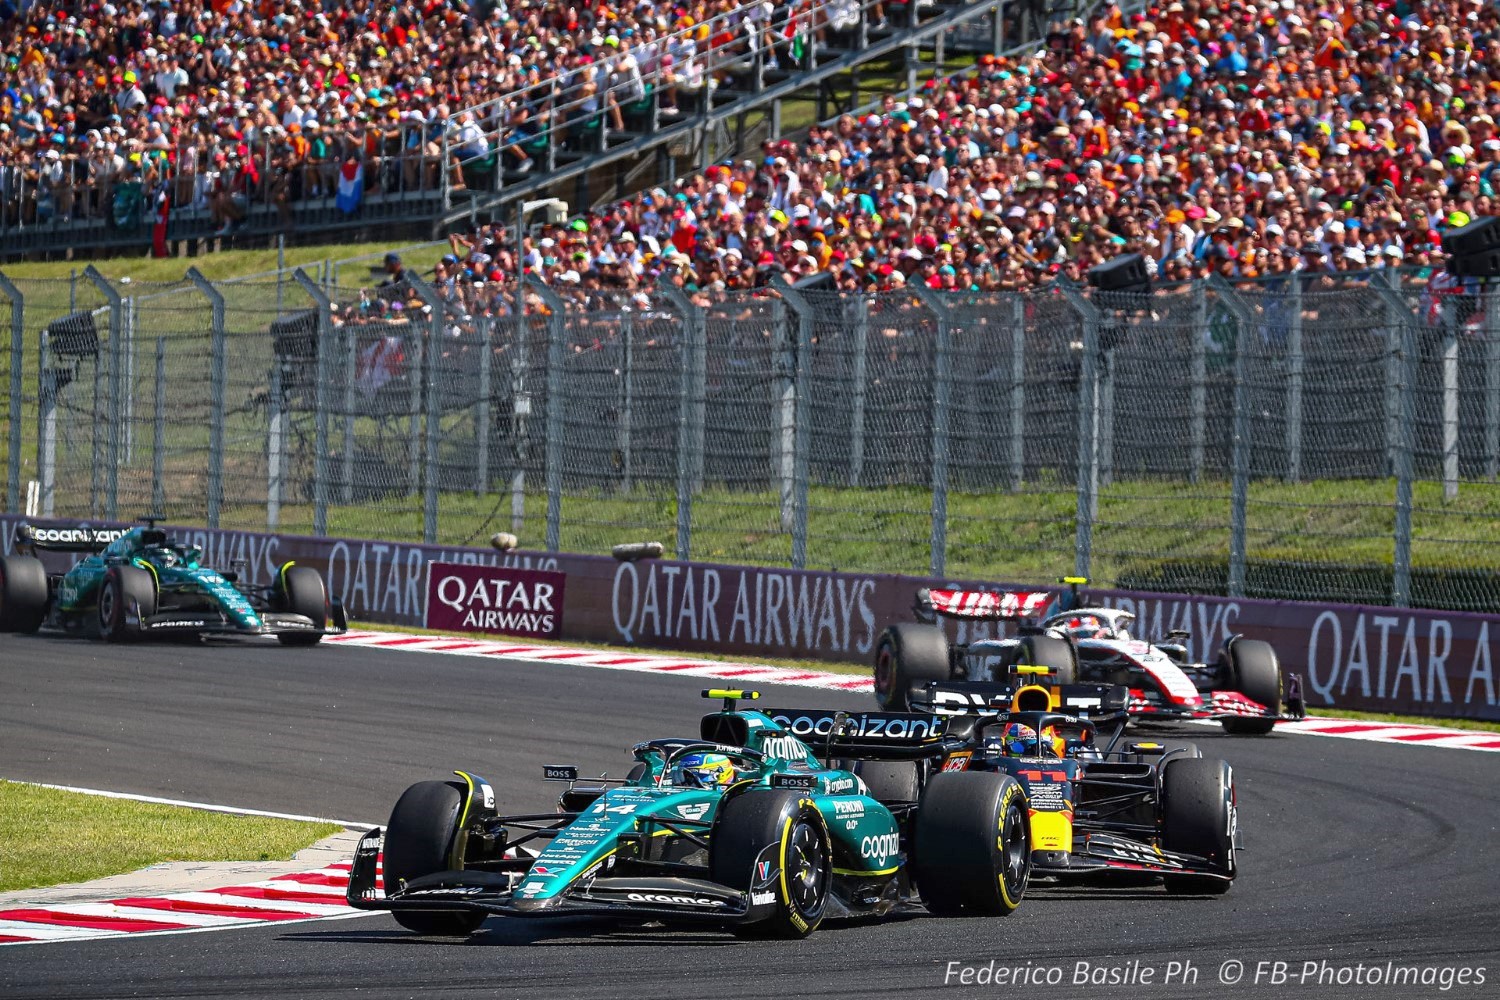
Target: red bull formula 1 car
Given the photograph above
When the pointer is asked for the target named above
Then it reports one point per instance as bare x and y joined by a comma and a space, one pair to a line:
1086, 652
1104, 808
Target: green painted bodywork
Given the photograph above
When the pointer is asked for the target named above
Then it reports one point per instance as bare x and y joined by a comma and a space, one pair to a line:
862, 832
175, 568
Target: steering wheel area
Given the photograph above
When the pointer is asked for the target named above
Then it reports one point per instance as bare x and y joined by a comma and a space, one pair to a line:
672, 750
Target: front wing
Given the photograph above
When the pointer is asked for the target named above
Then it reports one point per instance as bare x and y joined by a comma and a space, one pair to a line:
1103, 853
214, 623
503, 894
1220, 706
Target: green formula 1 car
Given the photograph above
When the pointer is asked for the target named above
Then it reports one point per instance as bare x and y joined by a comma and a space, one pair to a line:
742, 826
135, 583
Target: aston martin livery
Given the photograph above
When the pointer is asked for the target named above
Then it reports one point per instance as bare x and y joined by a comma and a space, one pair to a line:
138, 583
762, 821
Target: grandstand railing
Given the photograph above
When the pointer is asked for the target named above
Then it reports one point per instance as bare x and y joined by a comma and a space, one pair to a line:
1333, 436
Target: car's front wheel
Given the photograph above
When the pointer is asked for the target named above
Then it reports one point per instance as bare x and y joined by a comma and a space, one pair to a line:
1250, 667
127, 597
419, 841
300, 590
749, 823
1198, 818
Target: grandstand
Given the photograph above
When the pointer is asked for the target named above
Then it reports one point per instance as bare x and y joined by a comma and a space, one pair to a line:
302, 119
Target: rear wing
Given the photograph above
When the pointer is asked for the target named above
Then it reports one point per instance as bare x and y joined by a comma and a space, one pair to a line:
867, 735
79, 538
995, 605
983, 605
1100, 702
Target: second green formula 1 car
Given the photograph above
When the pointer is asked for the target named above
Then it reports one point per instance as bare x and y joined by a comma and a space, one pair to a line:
742, 825
139, 583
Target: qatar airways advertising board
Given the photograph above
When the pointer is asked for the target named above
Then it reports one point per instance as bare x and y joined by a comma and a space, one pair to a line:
495, 599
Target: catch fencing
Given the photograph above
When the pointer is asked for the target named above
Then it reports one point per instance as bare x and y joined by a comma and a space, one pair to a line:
1331, 437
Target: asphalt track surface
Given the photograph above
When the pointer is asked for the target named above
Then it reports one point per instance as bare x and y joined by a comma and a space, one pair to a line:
1356, 852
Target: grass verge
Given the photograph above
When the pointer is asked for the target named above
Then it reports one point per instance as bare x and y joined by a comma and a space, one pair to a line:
48, 837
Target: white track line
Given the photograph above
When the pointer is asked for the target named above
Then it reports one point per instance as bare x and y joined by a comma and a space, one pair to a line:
208, 806
762, 674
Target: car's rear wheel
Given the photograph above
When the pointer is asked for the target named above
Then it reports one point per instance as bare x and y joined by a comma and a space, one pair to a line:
1250, 667
749, 823
908, 653
300, 590
972, 844
125, 587
1198, 817
23, 594
419, 841
1058, 655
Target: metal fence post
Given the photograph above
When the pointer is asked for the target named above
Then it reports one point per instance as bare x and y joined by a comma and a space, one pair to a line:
414, 402
1198, 382
116, 391
159, 432
1017, 385
627, 401
553, 463
1294, 384
690, 408
17, 349
1088, 428
1406, 359
860, 305
784, 393
275, 451
1104, 417
349, 345
1492, 383
942, 388
46, 430
1450, 400
322, 394
796, 402
1240, 444
1395, 323
482, 407
432, 411
218, 379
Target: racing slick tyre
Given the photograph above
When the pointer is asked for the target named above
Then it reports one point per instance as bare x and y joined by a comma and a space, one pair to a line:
749, 823
891, 781
23, 594
1251, 668
1056, 654
1198, 817
418, 839
971, 851
907, 654
123, 585
300, 590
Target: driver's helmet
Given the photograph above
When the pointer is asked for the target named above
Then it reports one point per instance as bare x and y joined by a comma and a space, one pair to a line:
705, 770
1020, 740
1087, 627
163, 555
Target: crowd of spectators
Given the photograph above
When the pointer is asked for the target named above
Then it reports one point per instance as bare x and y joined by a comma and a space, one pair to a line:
221, 103
1250, 138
